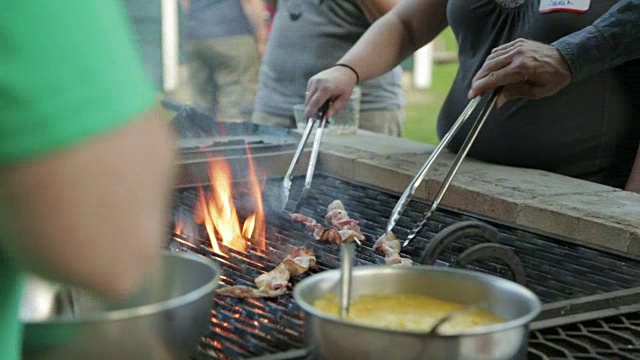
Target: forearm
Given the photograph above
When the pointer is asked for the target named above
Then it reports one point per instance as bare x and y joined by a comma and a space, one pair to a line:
611, 40
94, 215
254, 10
375, 9
407, 27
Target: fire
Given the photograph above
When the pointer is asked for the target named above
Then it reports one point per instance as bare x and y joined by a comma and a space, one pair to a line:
217, 212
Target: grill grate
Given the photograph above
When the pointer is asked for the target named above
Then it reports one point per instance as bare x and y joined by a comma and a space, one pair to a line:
555, 270
615, 337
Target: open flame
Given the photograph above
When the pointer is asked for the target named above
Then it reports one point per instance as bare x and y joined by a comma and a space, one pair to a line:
217, 212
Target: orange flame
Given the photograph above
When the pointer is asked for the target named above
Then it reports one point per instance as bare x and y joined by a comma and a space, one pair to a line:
217, 211
258, 231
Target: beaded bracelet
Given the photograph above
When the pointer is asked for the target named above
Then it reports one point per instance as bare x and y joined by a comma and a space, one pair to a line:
350, 68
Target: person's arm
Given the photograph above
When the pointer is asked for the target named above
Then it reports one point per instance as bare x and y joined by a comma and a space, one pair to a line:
375, 9
93, 215
85, 163
611, 40
254, 10
534, 70
407, 27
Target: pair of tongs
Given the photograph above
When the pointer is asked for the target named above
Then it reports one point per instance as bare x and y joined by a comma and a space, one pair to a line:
320, 116
473, 133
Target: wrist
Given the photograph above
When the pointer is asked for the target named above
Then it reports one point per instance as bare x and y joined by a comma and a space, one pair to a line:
353, 70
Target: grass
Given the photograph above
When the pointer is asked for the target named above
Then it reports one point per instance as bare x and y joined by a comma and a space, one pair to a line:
423, 106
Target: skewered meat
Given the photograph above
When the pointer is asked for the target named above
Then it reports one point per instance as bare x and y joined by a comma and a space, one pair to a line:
310, 224
343, 229
274, 283
335, 204
389, 245
338, 217
341, 236
299, 260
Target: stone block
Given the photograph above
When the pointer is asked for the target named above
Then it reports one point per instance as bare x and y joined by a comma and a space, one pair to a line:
608, 220
337, 164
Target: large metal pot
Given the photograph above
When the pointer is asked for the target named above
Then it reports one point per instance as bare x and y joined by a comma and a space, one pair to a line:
164, 320
334, 338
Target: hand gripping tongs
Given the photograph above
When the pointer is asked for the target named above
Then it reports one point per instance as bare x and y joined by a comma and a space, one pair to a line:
320, 116
473, 133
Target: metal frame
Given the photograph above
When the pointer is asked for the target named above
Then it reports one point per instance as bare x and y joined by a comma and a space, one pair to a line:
588, 308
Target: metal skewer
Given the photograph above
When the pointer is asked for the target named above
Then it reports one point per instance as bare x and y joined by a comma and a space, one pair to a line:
347, 252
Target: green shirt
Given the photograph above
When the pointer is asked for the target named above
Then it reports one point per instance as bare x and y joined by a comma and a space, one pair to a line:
68, 71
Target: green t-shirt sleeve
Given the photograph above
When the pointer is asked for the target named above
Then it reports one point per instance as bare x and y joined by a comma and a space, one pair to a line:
68, 71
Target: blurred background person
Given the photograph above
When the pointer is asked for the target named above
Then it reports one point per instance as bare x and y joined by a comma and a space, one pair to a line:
311, 35
84, 155
225, 40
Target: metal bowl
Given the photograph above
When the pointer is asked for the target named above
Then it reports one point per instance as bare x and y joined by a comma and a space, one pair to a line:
334, 338
163, 320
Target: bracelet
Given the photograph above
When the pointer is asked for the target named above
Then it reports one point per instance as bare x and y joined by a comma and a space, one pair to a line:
350, 68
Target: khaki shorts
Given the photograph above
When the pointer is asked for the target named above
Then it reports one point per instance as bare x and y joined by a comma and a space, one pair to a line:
388, 122
223, 76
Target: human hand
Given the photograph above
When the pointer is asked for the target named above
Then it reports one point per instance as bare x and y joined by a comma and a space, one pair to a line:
335, 85
524, 68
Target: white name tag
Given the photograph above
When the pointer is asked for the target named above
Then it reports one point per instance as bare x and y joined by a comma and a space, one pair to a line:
574, 6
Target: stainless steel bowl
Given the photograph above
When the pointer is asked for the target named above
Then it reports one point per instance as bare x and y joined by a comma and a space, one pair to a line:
163, 320
334, 338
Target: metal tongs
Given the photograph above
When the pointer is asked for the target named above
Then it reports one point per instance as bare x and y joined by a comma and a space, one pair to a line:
286, 182
473, 133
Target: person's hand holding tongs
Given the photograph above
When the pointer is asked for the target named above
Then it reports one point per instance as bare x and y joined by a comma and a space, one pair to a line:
473, 133
319, 116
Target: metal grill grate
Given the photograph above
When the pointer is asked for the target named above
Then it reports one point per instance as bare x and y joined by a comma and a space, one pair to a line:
615, 337
555, 270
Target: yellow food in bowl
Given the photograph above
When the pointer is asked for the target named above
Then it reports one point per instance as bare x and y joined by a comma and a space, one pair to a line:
407, 312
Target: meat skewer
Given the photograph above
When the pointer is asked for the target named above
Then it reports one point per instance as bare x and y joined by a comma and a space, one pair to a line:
389, 245
338, 217
310, 224
274, 283
343, 229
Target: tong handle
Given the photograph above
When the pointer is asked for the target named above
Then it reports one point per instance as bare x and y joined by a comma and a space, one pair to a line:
313, 159
462, 153
296, 156
303, 141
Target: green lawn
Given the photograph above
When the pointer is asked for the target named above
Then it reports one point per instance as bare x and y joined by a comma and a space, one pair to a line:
423, 106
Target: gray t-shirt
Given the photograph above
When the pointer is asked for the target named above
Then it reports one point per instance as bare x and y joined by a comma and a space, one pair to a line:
309, 36
210, 19
587, 130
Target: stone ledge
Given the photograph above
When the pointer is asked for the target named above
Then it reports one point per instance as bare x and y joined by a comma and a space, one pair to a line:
585, 212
